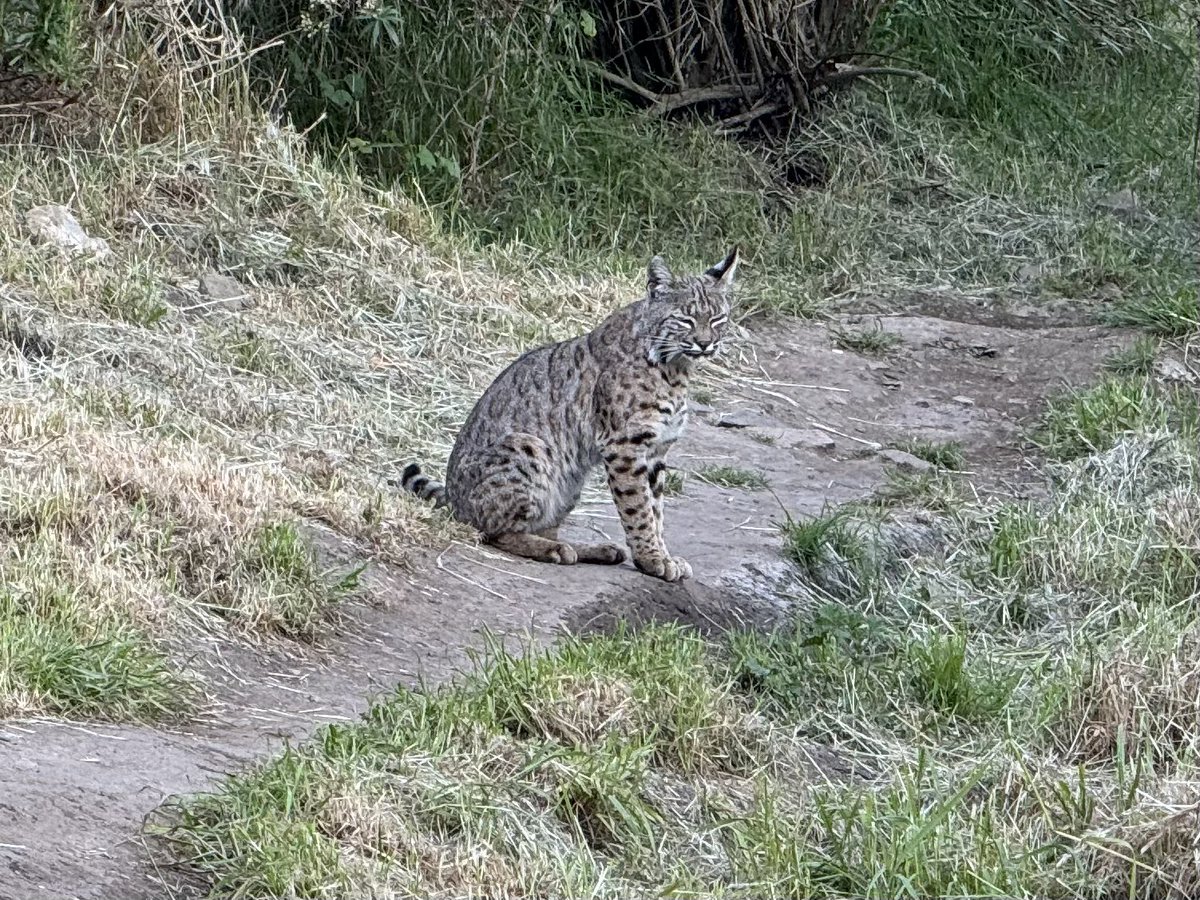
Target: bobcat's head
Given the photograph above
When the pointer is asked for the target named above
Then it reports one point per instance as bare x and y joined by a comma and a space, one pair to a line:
690, 314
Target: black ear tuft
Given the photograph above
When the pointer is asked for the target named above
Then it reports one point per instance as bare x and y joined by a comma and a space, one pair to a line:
658, 276
722, 272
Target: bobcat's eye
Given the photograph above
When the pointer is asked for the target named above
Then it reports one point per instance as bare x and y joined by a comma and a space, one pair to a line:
681, 323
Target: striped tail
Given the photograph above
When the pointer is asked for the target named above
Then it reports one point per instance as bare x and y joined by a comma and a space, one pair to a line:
417, 482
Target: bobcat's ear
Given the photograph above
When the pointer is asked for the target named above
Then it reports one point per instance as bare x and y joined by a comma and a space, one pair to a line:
658, 276
722, 272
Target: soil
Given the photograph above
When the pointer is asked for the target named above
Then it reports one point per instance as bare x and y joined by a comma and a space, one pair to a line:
73, 796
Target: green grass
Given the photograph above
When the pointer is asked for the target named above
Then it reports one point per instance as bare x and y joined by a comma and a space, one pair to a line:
908, 739
944, 681
545, 768
1092, 419
575, 790
133, 296
835, 551
733, 477
1137, 359
513, 142
58, 656
296, 596
932, 490
1122, 537
873, 341
1172, 313
806, 542
673, 487
1022, 75
45, 36
942, 454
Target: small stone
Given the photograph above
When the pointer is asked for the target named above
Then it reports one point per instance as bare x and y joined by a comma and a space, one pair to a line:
1108, 292
963, 401
924, 404
1123, 204
905, 462
208, 295
221, 291
56, 225
745, 418
1169, 369
697, 408
1029, 272
806, 439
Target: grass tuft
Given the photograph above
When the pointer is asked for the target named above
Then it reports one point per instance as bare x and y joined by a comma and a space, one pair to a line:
673, 484
1091, 420
1137, 359
943, 454
873, 341
733, 477
58, 655
1171, 313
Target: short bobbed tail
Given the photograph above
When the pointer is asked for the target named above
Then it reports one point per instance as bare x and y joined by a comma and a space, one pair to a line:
417, 482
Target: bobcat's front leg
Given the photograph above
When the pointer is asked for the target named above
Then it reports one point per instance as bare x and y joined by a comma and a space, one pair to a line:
636, 477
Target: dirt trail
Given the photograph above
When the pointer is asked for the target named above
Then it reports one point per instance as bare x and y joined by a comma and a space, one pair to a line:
72, 797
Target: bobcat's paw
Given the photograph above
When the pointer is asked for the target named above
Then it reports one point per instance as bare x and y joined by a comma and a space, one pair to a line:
563, 554
683, 569
668, 568
602, 554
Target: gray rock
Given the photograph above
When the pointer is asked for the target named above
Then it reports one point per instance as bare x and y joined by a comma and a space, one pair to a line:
696, 408
806, 439
56, 225
1169, 369
222, 292
963, 400
903, 461
1029, 272
1123, 204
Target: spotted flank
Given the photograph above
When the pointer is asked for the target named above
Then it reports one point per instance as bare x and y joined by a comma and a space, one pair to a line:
417, 482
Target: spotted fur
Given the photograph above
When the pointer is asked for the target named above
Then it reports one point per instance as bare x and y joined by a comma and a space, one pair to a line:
616, 397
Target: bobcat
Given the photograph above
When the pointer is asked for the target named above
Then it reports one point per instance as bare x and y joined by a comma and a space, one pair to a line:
616, 395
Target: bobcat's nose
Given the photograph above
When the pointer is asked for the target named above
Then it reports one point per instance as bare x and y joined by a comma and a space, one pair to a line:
705, 348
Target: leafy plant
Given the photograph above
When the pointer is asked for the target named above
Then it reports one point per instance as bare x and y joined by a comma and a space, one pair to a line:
44, 37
